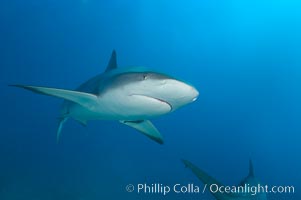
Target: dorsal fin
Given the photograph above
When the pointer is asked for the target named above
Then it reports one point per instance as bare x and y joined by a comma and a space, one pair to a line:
112, 63
251, 169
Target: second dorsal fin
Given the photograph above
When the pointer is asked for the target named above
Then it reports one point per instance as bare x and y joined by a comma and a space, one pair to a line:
112, 63
251, 169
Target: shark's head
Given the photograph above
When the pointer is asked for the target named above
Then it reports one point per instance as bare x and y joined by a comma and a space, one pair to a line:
158, 86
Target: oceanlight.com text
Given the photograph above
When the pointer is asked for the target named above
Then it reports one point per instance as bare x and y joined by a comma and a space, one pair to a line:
248, 189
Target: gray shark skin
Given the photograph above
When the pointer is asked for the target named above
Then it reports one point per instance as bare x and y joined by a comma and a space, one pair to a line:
130, 95
250, 180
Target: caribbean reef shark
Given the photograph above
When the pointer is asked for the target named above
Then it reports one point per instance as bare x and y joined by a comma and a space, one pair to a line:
249, 181
132, 96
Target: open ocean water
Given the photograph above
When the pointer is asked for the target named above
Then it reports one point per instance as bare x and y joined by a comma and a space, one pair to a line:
244, 57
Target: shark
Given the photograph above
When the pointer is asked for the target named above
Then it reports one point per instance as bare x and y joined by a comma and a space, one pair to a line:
131, 95
249, 181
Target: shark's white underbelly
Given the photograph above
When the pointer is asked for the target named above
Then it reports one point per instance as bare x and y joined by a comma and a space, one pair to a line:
130, 107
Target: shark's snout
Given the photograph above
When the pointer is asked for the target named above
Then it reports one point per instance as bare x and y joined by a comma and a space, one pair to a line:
185, 90
194, 93
178, 93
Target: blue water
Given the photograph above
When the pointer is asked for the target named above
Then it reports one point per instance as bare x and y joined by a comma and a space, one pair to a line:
244, 57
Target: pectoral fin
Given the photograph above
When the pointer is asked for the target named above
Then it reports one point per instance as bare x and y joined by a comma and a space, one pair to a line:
207, 180
86, 100
147, 128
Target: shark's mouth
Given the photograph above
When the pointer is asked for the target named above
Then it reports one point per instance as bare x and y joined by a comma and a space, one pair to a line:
154, 98
163, 102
